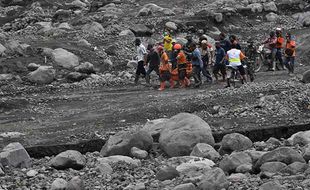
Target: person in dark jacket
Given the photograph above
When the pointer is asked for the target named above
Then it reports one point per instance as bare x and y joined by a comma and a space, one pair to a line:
153, 61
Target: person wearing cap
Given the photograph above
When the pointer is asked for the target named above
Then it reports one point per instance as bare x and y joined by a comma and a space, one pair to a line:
164, 69
141, 58
205, 50
181, 65
167, 43
279, 46
219, 64
234, 57
197, 63
153, 61
290, 53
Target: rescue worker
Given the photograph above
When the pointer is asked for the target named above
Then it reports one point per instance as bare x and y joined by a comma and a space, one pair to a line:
234, 57
225, 43
168, 43
290, 53
205, 50
197, 63
153, 62
141, 58
279, 46
164, 69
271, 43
181, 65
219, 64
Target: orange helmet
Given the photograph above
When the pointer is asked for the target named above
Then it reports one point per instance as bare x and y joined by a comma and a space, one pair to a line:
177, 46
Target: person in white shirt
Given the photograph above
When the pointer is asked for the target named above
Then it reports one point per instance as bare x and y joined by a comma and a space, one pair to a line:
234, 57
141, 58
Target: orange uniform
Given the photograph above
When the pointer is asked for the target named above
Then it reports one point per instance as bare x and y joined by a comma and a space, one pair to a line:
181, 58
280, 42
164, 65
290, 49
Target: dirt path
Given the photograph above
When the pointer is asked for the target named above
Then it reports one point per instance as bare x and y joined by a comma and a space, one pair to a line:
67, 116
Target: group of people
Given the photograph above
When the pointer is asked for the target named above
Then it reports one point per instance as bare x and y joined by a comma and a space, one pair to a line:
176, 63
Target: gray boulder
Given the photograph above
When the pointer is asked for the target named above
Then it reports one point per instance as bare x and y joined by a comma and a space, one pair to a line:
244, 168
122, 142
15, 155
295, 168
218, 17
193, 167
75, 184
185, 186
85, 67
111, 50
306, 152
119, 159
59, 184
182, 132
33, 66
235, 142
145, 12
231, 162
141, 30
128, 35
104, 168
64, 58
171, 25
167, 173
302, 138
42, 75
270, 6
93, 27
272, 167
256, 7
206, 151
138, 153
214, 179
271, 17
274, 185
306, 77
154, 127
283, 154
69, 159
76, 76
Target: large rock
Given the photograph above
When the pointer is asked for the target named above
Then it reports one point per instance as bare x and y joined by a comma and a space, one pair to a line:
274, 185
76, 76
306, 77
138, 153
270, 6
283, 154
122, 142
85, 67
192, 167
59, 184
206, 151
128, 35
154, 127
235, 142
171, 25
76, 4
64, 58
93, 27
182, 132
306, 152
255, 155
185, 186
271, 17
236, 159
42, 75
214, 179
295, 168
15, 155
145, 12
75, 184
256, 7
68, 159
141, 30
302, 138
272, 167
119, 159
167, 173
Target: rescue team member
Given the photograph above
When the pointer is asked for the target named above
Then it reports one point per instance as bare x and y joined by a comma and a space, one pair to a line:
205, 50
197, 63
234, 57
181, 65
271, 43
279, 46
168, 43
141, 58
164, 69
290, 53
219, 61
153, 61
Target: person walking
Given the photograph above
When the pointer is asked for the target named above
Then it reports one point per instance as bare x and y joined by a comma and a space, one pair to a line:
197, 63
164, 69
153, 62
181, 65
141, 58
219, 64
271, 43
205, 50
290, 53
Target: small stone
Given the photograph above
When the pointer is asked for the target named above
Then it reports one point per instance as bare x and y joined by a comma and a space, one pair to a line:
32, 173
59, 184
167, 173
75, 184
138, 153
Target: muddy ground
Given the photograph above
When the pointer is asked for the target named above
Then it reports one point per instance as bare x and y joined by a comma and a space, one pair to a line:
50, 115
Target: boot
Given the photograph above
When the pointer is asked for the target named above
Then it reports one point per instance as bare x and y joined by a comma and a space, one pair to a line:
171, 83
137, 79
162, 86
273, 66
228, 83
147, 79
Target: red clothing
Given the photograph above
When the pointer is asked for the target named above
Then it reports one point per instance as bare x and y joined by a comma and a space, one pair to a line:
290, 48
280, 42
